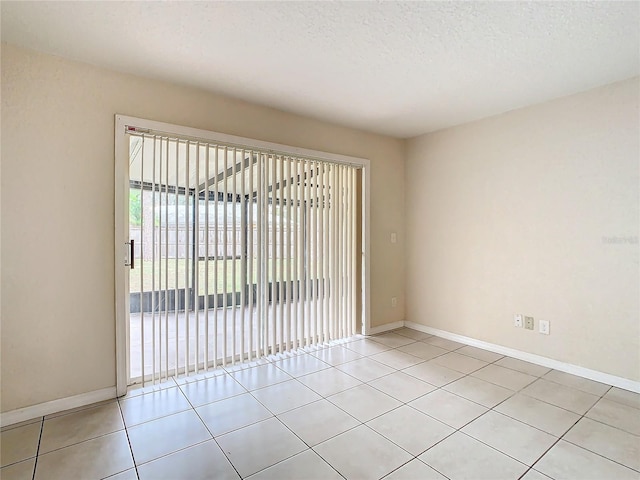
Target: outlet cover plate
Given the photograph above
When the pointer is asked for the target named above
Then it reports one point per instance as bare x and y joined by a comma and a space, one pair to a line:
544, 327
518, 320
528, 323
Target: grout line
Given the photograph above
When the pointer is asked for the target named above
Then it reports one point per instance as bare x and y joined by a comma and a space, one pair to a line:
35, 463
126, 431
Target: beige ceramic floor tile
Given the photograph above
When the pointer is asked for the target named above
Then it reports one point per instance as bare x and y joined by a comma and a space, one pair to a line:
367, 347
153, 405
95, 458
411, 333
607, 441
285, 396
126, 475
259, 446
561, 396
631, 399
19, 443
460, 456
396, 359
392, 340
82, 425
479, 391
200, 462
402, 387
516, 439
166, 435
423, 350
522, 366
535, 475
568, 461
21, 424
336, 355
460, 363
346, 452
504, 377
260, 376
410, 429
301, 365
232, 413
364, 402
433, 374
365, 369
579, 383
415, 470
328, 382
479, 353
78, 409
539, 414
211, 389
307, 465
19, 471
137, 390
451, 409
443, 343
617, 415
318, 421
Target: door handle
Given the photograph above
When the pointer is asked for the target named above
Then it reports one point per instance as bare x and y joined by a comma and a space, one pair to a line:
130, 261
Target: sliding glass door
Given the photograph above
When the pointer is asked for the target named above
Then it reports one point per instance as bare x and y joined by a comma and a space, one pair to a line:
236, 253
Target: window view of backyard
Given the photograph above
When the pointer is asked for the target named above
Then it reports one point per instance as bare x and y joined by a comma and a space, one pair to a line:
156, 271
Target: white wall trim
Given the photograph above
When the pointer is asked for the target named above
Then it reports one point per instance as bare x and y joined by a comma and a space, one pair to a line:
385, 328
595, 375
55, 406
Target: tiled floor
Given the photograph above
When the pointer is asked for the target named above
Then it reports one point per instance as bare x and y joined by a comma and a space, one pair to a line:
401, 405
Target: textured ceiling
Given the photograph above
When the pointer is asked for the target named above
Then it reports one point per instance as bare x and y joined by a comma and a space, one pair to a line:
398, 68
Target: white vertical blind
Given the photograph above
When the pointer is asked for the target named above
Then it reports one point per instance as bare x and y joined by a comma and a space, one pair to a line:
241, 253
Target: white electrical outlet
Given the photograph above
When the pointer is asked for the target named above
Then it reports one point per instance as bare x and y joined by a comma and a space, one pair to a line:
394, 237
518, 320
544, 327
394, 301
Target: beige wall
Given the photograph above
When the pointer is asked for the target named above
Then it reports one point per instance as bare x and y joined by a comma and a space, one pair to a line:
58, 334
514, 214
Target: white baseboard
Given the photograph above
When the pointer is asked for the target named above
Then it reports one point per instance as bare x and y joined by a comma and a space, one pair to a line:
55, 406
385, 328
595, 375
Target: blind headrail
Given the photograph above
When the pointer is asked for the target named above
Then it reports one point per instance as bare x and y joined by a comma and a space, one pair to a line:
146, 132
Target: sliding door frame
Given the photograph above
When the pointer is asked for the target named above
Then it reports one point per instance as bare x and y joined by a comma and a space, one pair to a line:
122, 218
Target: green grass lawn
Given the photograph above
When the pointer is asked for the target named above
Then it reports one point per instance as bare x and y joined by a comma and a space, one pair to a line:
161, 284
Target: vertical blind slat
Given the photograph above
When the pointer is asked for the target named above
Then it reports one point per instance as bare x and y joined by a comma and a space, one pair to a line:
280, 243
206, 259
166, 261
224, 258
196, 259
187, 293
216, 305
251, 253
153, 263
